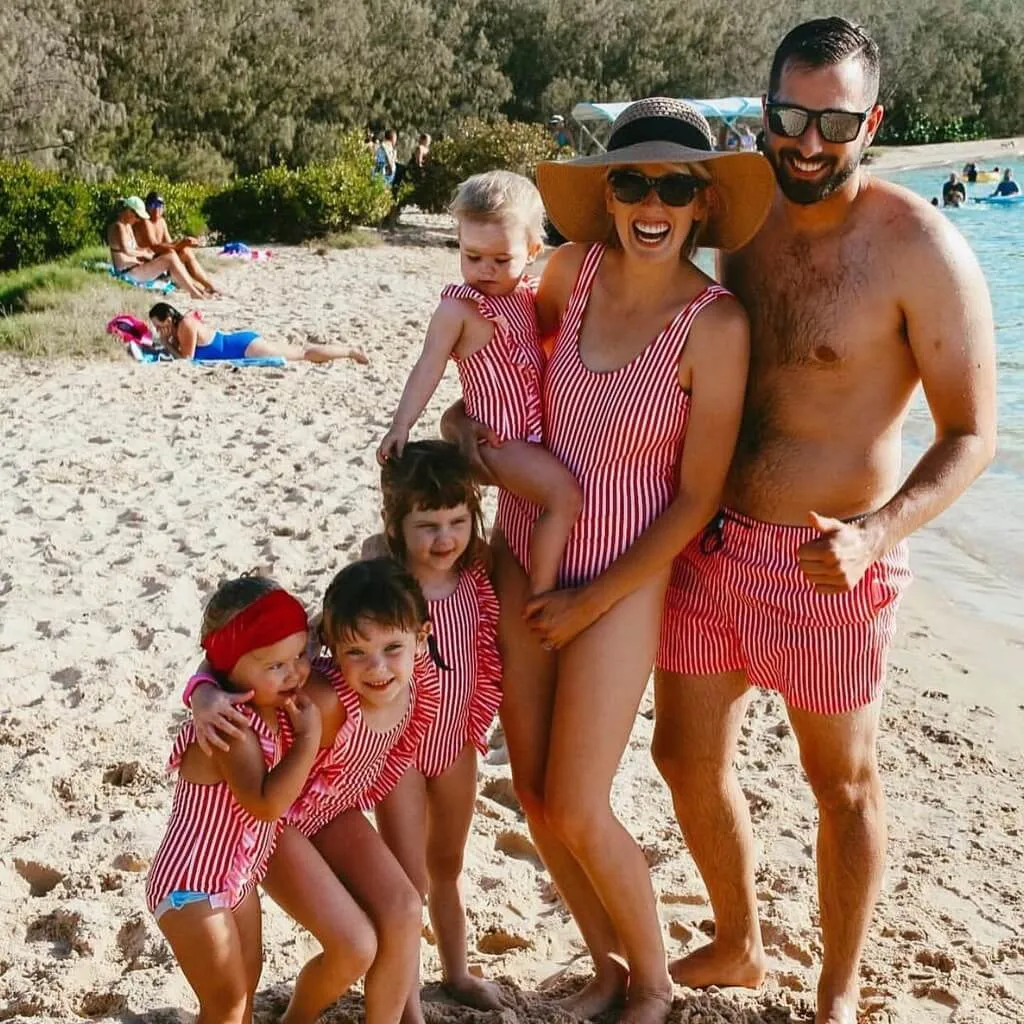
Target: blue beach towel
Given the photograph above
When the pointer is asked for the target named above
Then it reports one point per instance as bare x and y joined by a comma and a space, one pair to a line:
164, 287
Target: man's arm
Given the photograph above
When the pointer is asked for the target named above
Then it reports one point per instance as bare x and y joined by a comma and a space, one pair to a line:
949, 325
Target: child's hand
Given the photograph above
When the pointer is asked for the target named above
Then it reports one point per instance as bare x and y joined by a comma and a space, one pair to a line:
215, 718
304, 715
393, 444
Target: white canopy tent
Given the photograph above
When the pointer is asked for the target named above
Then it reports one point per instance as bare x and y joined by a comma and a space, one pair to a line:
595, 119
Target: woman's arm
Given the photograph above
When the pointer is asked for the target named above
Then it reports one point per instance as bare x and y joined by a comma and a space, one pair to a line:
268, 794
187, 336
716, 359
443, 335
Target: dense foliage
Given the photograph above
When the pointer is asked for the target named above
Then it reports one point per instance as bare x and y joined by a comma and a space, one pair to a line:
194, 90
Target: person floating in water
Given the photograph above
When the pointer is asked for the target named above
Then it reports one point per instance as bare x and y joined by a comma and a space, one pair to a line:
187, 336
954, 192
1007, 187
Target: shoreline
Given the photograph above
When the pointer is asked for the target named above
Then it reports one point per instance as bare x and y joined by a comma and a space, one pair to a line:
907, 158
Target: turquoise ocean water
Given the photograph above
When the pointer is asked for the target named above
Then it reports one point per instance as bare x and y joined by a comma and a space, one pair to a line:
975, 551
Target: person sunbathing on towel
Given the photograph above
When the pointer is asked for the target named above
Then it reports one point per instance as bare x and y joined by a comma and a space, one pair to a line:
142, 263
153, 233
187, 336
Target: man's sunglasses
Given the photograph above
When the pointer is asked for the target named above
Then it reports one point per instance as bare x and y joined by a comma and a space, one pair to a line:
672, 189
791, 121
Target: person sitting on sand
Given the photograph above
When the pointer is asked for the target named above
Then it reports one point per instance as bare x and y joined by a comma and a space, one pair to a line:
954, 191
141, 263
188, 337
154, 234
1007, 187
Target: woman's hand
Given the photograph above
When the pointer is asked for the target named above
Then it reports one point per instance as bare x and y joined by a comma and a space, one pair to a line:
217, 722
559, 616
469, 435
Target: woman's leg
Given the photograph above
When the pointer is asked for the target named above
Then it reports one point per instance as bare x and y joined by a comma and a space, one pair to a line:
451, 798
211, 946
168, 263
301, 883
602, 675
532, 472
311, 353
367, 868
526, 709
192, 265
402, 823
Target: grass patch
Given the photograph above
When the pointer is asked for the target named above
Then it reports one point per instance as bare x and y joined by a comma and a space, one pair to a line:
357, 238
61, 309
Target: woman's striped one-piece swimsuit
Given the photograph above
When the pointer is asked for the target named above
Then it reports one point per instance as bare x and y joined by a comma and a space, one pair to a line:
362, 766
501, 381
212, 844
465, 625
619, 432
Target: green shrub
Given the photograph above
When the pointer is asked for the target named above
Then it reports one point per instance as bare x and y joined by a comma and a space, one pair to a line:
283, 205
42, 215
474, 146
184, 209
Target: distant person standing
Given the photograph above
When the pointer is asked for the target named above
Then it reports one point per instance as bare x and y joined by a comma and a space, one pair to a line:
971, 173
748, 141
954, 193
420, 153
559, 132
1007, 187
386, 158
154, 234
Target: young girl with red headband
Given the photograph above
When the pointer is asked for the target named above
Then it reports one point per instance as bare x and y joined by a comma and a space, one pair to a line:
228, 804
433, 526
377, 692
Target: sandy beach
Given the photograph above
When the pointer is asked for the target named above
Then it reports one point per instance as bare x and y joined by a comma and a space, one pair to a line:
982, 151
127, 492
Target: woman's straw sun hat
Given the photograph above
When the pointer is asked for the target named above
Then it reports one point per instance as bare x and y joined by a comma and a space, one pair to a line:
660, 131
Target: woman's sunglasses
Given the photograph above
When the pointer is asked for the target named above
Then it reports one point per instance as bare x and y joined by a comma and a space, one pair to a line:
672, 189
791, 121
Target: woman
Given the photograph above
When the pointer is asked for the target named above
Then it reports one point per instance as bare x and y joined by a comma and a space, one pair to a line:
188, 337
649, 351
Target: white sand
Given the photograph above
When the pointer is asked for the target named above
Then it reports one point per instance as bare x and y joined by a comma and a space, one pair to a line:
127, 492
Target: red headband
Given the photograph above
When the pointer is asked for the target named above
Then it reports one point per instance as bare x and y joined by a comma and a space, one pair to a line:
267, 620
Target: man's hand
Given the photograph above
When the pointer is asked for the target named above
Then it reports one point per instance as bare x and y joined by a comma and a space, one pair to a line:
836, 561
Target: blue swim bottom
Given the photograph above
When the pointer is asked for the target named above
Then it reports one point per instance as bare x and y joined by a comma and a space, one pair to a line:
178, 899
226, 346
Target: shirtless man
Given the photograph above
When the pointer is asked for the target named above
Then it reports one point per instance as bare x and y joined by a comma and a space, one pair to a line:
857, 291
154, 234
139, 262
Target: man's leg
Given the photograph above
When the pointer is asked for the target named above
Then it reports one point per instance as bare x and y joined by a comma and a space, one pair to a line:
697, 725
840, 758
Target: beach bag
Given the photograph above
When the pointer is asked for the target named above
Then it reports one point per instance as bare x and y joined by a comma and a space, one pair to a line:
137, 338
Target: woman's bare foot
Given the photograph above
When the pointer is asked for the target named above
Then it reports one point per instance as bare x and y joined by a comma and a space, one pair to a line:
357, 355
647, 1007
476, 992
716, 964
599, 994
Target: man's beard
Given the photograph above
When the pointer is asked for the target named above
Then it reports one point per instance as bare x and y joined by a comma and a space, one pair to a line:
801, 191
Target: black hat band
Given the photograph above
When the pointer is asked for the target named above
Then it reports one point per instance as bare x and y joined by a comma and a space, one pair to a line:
659, 129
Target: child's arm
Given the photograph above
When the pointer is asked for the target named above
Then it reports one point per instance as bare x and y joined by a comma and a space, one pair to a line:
267, 795
442, 336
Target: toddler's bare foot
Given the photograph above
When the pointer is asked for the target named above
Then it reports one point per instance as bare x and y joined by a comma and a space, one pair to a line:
476, 992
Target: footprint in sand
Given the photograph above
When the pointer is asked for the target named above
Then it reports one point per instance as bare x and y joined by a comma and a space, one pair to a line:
41, 878
501, 791
102, 1004
62, 928
518, 847
497, 941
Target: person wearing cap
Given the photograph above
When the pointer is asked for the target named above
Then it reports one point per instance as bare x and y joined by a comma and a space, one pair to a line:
642, 399
556, 125
153, 233
140, 263
858, 292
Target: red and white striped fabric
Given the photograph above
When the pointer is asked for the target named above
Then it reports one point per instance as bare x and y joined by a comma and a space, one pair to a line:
501, 381
362, 766
212, 844
746, 606
620, 433
466, 630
